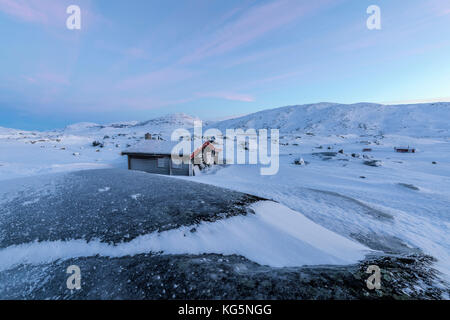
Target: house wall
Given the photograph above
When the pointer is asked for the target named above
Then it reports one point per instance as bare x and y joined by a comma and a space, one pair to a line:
209, 157
183, 171
150, 165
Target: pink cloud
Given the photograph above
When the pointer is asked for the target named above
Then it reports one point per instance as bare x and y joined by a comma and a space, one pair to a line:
151, 103
156, 78
135, 53
49, 12
438, 7
47, 78
254, 24
228, 96
132, 103
29, 79
37, 11
53, 78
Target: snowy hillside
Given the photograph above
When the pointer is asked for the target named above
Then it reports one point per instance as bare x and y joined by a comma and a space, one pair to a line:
118, 219
159, 126
337, 169
177, 119
84, 145
417, 120
7, 132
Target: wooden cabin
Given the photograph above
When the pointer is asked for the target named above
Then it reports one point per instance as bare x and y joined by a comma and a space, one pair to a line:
155, 156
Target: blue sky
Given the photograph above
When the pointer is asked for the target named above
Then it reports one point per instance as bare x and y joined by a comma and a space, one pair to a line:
138, 59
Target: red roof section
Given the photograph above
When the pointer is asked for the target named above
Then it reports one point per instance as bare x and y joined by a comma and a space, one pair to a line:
200, 149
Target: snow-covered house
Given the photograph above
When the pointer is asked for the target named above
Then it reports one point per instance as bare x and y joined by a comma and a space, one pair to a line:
155, 156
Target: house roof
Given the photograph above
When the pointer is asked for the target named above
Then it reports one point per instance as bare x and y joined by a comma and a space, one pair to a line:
159, 147
151, 147
198, 150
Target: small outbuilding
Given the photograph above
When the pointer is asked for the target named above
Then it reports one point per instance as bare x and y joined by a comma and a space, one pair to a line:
405, 150
155, 156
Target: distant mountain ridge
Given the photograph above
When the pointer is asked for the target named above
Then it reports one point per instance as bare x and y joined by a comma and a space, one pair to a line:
162, 125
326, 118
180, 119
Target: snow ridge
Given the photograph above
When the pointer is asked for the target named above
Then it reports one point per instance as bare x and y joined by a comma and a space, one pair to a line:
416, 120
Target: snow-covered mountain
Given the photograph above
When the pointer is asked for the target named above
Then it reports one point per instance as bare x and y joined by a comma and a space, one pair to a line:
416, 120
4, 130
82, 126
170, 120
167, 124
9, 132
162, 126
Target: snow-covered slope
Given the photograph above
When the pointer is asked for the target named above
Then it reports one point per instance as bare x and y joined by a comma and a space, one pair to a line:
167, 124
82, 126
417, 120
159, 126
8, 132
225, 222
5, 130
83, 145
401, 206
176, 119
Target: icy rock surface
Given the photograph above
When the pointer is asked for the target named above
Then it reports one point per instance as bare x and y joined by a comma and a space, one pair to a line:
109, 205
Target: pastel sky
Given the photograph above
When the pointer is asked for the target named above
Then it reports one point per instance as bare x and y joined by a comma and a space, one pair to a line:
138, 59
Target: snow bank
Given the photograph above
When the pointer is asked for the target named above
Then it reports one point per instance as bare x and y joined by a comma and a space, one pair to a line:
275, 235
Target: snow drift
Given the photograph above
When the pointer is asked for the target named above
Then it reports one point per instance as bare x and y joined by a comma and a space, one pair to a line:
275, 236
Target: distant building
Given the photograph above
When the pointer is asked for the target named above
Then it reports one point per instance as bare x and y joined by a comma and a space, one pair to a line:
405, 150
155, 156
